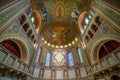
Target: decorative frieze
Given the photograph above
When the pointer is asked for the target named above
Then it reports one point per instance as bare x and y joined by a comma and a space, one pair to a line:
110, 13
10, 12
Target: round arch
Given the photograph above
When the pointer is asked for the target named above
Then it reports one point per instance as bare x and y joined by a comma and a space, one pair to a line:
38, 20
97, 45
81, 20
53, 74
65, 73
20, 43
13, 47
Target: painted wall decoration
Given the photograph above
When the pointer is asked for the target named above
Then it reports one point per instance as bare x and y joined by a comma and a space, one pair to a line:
59, 11
5, 16
15, 28
105, 29
43, 11
28, 11
59, 58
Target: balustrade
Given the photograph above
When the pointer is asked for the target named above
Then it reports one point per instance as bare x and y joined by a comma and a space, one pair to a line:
9, 60
109, 61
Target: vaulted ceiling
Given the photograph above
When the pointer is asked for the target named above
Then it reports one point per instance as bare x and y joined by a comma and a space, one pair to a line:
59, 19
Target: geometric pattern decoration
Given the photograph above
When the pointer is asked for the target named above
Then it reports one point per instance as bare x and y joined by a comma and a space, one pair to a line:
59, 57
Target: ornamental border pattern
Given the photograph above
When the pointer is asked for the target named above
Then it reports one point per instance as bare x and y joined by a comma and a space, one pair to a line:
110, 13
10, 12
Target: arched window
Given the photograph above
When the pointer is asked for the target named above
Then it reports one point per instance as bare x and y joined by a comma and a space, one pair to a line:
32, 37
85, 19
80, 56
48, 58
87, 38
35, 44
98, 20
70, 59
36, 20
29, 33
94, 27
33, 21
90, 33
26, 26
22, 19
88, 19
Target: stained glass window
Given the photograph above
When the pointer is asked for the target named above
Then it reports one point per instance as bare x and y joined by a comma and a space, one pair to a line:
70, 59
88, 19
48, 58
80, 56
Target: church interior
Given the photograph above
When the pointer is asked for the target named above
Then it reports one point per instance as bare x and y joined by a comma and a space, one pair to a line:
59, 39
